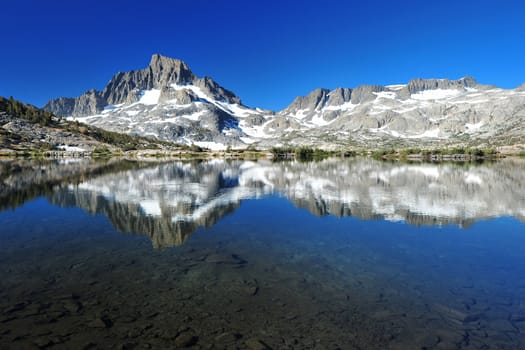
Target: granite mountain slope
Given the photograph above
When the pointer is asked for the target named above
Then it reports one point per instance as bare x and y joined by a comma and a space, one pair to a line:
25, 128
166, 100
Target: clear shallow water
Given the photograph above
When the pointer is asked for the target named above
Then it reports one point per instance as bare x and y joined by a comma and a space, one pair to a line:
338, 254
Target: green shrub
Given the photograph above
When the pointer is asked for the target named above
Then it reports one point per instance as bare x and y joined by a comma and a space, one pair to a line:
457, 150
101, 151
304, 153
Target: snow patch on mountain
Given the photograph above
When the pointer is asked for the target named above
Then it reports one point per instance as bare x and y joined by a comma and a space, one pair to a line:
437, 94
215, 146
386, 94
474, 127
149, 97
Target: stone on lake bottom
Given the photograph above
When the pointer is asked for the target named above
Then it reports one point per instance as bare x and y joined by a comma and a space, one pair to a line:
255, 344
185, 339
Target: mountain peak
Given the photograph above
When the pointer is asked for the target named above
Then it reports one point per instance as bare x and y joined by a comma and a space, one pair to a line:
165, 70
468, 81
157, 57
311, 101
159, 63
161, 72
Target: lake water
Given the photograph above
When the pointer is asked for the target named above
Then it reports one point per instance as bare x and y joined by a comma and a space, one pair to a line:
338, 254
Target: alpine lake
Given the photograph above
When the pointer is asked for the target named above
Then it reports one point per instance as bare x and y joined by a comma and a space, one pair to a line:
338, 254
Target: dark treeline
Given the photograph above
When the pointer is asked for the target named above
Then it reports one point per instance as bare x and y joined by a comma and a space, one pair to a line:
27, 112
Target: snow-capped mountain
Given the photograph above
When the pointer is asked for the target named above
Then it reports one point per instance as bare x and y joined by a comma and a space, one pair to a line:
166, 100
422, 111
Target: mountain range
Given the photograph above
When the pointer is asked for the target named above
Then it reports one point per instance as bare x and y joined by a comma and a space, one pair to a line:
167, 101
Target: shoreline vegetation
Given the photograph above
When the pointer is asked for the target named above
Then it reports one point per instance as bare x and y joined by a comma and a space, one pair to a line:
302, 153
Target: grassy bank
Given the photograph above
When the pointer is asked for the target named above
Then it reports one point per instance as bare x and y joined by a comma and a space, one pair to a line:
304, 153
455, 153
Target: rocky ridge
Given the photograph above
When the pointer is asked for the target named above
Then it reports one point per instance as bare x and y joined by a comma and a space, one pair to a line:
19, 134
166, 100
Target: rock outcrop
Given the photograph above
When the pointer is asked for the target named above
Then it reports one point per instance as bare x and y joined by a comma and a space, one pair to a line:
418, 85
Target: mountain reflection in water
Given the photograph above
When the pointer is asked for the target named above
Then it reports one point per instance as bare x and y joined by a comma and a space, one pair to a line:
169, 201
269, 275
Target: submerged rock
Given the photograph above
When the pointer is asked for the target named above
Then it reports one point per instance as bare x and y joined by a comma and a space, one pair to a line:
255, 344
186, 339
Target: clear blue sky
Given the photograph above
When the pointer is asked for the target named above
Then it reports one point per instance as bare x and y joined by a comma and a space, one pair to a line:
266, 51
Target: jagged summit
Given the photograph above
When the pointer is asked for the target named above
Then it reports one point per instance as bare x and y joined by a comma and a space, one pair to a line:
168, 75
310, 101
158, 60
166, 70
160, 73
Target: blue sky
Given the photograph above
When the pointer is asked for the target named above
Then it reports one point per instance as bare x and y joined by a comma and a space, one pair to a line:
267, 52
